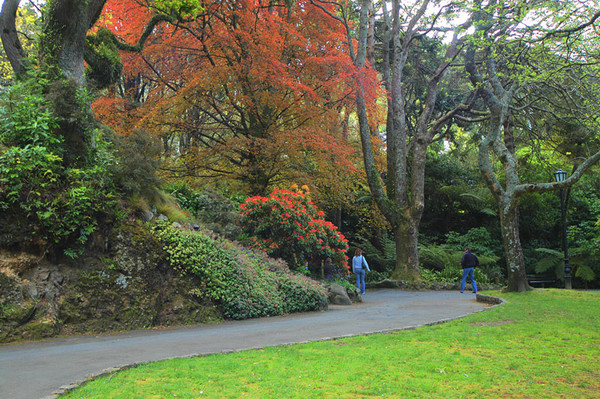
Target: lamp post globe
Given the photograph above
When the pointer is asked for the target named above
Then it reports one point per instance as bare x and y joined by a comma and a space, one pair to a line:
561, 175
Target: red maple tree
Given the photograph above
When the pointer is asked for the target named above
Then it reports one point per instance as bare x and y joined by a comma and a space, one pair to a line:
249, 91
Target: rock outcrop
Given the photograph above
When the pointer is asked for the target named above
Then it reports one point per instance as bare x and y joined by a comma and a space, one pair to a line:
127, 286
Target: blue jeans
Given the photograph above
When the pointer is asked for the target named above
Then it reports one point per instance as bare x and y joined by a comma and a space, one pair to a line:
469, 271
360, 280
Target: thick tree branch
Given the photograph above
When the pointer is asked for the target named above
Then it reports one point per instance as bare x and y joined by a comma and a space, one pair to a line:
10, 39
571, 180
139, 46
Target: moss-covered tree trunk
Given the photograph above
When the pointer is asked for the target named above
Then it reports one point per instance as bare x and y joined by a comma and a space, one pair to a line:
515, 262
407, 255
62, 47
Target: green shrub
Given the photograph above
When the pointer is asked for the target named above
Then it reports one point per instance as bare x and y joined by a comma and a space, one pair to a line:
300, 294
26, 118
214, 210
445, 262
60, 206
449, 274
135, 172
478, 239
42, 198
453, 274
374, 276
246, 283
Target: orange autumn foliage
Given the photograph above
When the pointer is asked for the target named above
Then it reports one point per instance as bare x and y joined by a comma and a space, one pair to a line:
248, 92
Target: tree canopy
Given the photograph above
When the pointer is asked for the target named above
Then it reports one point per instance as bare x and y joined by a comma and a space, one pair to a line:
398, 115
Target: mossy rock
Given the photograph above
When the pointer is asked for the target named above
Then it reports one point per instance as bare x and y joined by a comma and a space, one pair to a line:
10, 290
38, 330
134, 289
97, 302
130, 286
17, 314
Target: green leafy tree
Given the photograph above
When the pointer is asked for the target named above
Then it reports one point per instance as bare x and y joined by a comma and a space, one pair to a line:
513, 65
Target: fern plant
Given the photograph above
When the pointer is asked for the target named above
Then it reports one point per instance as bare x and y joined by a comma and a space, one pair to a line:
381, 260
584, 262
446, 264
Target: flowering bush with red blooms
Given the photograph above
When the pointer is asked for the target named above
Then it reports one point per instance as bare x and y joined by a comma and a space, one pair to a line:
286, 224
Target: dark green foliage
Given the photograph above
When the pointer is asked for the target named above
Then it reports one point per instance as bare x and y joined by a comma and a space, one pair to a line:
246, 283
215, 211
439, 258
455, 199
42, 197
103, 59
584, 262
135, 173
440, 263
449, 255
453, 274
546, 254
478, 239
382, 260
70, 108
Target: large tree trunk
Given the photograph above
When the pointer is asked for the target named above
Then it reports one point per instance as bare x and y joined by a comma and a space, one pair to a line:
515, 262
402, 199
65, 29
407, 254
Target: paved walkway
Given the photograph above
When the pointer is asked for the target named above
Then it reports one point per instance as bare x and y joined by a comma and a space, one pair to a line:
37, 370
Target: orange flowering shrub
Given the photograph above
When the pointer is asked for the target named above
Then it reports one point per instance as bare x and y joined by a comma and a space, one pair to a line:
287, 225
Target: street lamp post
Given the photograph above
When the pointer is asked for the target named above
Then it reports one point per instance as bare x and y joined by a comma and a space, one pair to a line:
561, 175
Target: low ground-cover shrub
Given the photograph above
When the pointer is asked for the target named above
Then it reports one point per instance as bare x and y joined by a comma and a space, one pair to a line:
453, 274
246, 283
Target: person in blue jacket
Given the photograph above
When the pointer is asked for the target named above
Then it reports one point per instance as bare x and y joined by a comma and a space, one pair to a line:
360, 267
469, 262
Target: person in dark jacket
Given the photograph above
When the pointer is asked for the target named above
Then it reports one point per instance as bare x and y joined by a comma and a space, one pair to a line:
328, 269
469, 262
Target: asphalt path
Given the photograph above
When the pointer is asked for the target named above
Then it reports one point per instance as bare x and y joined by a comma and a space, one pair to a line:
43, 369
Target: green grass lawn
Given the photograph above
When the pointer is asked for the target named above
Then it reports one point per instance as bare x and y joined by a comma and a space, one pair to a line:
541, 344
